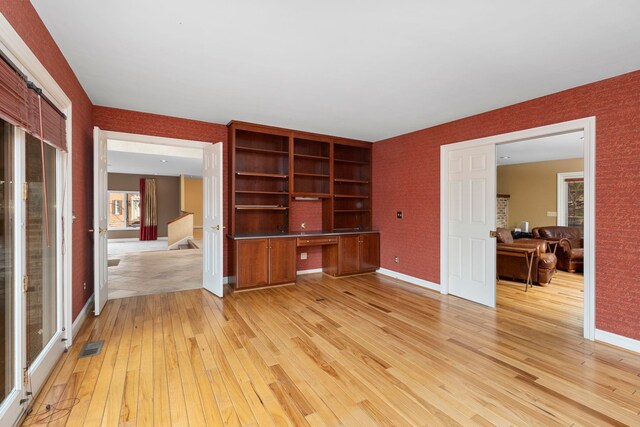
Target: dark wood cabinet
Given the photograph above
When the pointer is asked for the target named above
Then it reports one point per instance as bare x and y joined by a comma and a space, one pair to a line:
262, 262
282, 261
354, 254
252, 263
369, 252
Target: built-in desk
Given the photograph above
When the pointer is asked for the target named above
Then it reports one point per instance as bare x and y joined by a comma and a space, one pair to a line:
262, 259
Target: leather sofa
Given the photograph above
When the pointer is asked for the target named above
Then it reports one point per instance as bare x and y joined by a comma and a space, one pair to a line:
570, 250
512, 267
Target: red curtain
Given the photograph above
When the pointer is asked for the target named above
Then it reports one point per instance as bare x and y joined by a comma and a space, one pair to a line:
149, 210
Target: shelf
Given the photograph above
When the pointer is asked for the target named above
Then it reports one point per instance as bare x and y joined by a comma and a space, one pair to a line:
347, 229
279, 193
356, 162
351, 210
260, 208
351, 181
309, 156
319, 195
349, 196
261, 150
312, 174
263, 175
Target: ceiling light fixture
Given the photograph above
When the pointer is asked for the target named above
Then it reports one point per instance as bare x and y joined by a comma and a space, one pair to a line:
164, 160
504, 157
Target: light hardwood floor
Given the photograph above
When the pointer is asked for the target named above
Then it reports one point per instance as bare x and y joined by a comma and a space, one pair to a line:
364, 350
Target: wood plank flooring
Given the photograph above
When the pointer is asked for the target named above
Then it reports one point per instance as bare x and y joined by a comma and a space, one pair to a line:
365, 350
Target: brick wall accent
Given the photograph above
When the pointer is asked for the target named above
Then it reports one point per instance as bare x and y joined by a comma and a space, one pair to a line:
407, 178
502, 212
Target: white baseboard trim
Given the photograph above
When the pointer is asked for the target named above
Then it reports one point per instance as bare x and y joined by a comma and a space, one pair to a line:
77, 324
617, 340
313, 270
413, 280
225, 280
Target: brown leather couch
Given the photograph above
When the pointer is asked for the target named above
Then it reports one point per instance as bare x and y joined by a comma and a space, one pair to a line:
570, 250
511, 267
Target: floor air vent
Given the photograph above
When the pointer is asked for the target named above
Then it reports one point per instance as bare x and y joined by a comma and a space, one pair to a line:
91, 349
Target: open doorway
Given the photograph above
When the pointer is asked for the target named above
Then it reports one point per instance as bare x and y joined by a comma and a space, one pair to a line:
468, 215
147, 238
170, 257
540, 229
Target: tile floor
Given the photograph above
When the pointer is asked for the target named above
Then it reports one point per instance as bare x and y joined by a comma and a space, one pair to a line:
148, 268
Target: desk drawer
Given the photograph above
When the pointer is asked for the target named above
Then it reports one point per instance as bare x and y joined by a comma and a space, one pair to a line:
317, 241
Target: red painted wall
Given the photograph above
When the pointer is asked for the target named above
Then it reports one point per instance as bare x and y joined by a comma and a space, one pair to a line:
407, 177
25, 20
114, 119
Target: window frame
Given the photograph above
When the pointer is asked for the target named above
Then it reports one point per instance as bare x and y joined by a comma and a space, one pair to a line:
125, 209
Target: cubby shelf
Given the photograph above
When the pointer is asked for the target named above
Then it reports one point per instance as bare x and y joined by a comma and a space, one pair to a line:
351, 210
350, 196
309, 156
355, 162
261, 150
279, 193
260, 208
317, 175
263, 175
351, 181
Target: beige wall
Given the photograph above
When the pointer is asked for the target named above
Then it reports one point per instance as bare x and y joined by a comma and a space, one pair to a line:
168, 191
191, 201
533, 188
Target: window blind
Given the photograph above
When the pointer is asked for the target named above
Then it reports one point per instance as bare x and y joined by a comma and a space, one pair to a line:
22, 104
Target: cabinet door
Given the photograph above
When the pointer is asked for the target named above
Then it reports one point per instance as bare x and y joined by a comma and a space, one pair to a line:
349, 254
252, 263
282, 260
369, 252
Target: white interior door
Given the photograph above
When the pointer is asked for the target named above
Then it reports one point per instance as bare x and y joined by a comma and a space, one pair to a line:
471, 193
100, 220
212, 228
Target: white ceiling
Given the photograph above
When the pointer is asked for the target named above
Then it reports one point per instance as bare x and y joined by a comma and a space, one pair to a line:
150, 159
358, 68
556, 147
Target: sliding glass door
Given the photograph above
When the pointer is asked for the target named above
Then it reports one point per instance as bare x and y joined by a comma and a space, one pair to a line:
30, 268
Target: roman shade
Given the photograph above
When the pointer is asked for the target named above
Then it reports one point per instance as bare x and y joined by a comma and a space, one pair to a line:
24, 105
53, 127
13, 96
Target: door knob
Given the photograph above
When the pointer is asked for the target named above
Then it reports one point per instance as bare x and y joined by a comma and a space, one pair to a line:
493, 233
217, 227
102, 230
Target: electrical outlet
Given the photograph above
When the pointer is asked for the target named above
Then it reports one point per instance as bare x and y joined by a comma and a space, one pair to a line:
303, 255
84, 286
396, 259
552, 213
399, 216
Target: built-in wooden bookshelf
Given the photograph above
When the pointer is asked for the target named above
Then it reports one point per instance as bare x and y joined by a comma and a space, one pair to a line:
270, 166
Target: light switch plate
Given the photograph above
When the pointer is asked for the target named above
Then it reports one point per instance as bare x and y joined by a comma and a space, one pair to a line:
303, 255
552, 213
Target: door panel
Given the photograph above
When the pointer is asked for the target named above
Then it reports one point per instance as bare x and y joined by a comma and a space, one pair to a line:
212, 227
282, 260
348, 254
252, 267
471, 184
369, 252
100, 220
41, 245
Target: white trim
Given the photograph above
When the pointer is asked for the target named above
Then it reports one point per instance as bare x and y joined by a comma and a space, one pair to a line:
154, 140
410, 279
587, 125
617, 340
225, 280
82, 316
561, 193
311, 271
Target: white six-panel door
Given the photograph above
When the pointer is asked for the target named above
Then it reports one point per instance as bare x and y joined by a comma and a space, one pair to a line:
100, 220
471, 186
212, 228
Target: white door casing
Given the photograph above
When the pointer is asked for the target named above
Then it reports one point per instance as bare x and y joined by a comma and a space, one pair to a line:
212, 224
471, 185
100, 220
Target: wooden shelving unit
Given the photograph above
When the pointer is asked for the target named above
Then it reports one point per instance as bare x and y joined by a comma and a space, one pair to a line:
351, 205
270, 166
